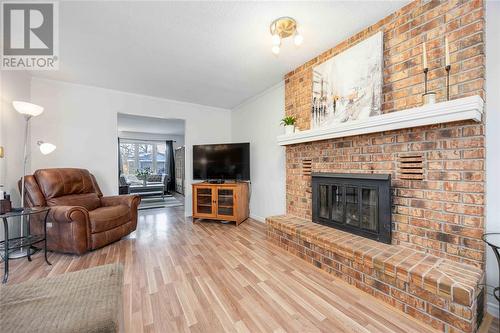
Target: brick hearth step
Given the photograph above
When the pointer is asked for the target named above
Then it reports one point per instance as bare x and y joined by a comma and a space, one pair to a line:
438, 291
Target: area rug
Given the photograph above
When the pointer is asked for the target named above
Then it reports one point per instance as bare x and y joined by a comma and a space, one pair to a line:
158, 202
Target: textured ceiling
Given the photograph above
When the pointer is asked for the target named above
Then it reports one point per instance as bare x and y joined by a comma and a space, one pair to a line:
210, 53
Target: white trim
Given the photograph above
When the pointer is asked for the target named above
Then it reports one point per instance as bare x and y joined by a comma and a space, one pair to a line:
467, 108
258, 218
259, 95
115, 91
492, 308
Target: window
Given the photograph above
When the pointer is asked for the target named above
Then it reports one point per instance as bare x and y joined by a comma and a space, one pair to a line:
141, 155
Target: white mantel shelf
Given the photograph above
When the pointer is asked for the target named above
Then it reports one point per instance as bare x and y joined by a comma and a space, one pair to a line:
467, 108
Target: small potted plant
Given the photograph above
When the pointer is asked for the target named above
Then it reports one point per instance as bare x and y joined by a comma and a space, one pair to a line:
289, 123
143, 175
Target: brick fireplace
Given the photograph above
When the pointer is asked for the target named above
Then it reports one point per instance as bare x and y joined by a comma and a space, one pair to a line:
432, 268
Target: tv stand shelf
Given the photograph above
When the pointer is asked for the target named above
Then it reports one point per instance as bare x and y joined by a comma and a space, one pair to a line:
225, 202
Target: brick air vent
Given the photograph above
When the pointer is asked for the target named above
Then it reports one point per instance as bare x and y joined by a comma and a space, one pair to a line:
411, 167
306, 167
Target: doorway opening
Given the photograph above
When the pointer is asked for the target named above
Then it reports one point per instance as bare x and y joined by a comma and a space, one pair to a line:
151, 160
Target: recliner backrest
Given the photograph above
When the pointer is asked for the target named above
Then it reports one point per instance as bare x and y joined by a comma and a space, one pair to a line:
59, 182
68, 186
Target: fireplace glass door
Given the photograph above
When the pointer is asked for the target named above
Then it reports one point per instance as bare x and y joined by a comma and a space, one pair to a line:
352, 206
360, 206
337, 204
369, 209
324, 202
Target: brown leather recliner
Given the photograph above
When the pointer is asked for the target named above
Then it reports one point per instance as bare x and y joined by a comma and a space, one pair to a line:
82, 218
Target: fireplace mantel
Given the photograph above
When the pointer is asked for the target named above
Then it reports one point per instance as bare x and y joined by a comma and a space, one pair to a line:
467, 108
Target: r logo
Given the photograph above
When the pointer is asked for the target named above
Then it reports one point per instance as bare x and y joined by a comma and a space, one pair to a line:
28, 29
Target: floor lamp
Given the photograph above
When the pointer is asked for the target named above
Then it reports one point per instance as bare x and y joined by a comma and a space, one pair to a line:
29, 110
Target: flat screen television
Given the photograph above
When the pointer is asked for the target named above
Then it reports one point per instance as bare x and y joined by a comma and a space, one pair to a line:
229, 161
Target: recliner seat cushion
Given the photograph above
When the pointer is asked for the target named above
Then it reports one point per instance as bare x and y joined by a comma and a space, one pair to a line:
106, 218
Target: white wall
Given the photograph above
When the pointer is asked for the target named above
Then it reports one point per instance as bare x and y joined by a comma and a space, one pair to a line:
492, 141
14, 85
258, 121
82, 122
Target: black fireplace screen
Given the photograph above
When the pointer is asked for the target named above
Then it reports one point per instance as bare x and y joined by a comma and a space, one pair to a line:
357, 203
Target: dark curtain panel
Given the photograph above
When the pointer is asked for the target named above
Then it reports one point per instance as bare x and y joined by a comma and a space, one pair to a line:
170, 166
120, 166
122, 182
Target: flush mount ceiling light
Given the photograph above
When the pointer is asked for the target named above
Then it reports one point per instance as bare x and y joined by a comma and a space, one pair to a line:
282, 28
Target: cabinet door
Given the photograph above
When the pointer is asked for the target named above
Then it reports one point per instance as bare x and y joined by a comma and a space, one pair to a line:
204, 202
226, 198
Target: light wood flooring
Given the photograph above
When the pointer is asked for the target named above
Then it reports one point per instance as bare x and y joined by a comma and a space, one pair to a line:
490, 325
205, 276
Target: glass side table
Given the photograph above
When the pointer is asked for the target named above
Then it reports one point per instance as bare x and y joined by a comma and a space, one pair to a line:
11, 244
493, 240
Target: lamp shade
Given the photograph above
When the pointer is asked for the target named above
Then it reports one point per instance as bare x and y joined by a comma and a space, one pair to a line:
46, 147
28, 109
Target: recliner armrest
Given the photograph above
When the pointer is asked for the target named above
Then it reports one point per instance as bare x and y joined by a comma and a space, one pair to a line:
131, 201
68, 214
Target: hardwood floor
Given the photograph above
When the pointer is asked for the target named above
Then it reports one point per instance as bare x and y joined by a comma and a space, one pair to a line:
210, 277
494, 326
490, 324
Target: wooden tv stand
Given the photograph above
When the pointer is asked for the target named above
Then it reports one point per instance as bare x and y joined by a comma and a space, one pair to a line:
225, 202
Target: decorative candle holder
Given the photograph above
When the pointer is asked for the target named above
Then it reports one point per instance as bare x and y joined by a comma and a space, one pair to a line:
448, 69
429, 97
426, 70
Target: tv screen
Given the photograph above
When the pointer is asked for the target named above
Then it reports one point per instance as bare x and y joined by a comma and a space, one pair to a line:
221, 162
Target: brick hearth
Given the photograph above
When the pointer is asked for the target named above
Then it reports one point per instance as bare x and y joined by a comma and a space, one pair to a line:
432, 289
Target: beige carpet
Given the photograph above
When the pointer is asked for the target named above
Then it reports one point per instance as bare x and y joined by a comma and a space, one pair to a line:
88, 301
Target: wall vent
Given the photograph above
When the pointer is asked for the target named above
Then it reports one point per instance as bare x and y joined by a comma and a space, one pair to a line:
411, 166
306, 167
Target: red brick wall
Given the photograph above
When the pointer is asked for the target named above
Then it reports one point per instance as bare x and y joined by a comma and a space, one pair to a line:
444, 213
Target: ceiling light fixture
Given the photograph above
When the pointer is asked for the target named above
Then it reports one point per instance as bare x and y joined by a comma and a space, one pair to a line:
298, 39
282, 28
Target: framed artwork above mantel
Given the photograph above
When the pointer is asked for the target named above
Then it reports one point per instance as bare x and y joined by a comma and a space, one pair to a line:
349, 85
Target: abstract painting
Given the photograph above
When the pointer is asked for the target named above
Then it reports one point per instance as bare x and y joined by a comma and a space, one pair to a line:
348, 86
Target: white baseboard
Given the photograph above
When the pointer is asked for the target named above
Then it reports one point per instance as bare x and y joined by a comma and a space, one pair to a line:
258, 218
492, 308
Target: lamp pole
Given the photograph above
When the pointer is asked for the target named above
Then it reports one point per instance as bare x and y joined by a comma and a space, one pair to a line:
22, 252
28, 110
